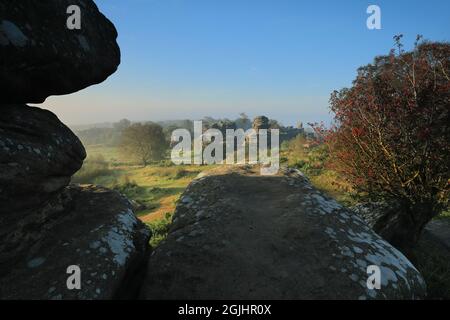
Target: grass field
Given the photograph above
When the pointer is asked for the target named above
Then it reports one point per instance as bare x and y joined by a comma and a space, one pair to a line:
156, 187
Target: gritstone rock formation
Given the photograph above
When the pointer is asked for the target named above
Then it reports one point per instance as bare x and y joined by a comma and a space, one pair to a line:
39, 154
242, 236
388, 220
235, 235
41, 57
90, 227
47, 226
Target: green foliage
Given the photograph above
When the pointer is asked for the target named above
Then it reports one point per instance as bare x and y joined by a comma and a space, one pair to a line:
285, 145
160, 229
284, 160
392, 133
166, 163
311, 158
312, 162
129, 188
183, 173
301, 165
145, 142
297, 145
444, 215
106, 136
433, 261
93, 168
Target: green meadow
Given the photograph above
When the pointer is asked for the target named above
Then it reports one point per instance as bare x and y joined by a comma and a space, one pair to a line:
155, 188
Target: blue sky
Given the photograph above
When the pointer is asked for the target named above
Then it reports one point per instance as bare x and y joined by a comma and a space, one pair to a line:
282, 58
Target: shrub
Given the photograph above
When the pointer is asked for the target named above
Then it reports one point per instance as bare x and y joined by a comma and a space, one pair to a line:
392, 133
300, 164
128, 188
160, 229
93, 168
143, 142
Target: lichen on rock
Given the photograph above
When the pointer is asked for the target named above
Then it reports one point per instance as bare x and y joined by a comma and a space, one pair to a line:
238, 235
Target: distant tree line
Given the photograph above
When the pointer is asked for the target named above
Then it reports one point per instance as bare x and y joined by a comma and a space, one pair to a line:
111, 136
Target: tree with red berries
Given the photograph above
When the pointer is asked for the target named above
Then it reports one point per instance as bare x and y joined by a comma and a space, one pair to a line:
391, 138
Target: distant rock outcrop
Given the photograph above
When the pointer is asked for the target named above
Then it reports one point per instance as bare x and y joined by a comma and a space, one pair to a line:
46, 226
237, 235
261, 122
40, 56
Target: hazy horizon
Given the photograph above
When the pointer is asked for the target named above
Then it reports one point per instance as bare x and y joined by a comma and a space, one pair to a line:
282, 59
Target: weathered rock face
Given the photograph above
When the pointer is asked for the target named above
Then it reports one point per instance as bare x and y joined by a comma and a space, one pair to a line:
47, 227
87, 226
38, 156
243, 236
393, 223
383, 218
40, 56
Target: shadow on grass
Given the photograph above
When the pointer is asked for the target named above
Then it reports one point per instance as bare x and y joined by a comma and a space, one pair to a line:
432, 259
152, 197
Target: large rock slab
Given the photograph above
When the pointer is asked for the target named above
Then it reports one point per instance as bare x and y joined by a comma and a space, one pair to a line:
40, 56
39, 154
89, 227
243, 236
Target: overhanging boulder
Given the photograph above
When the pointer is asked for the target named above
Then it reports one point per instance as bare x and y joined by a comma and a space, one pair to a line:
40, 56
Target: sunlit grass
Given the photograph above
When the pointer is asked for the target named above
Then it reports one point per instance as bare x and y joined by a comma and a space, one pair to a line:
157, 186
433, 261
328, 182
444, 215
